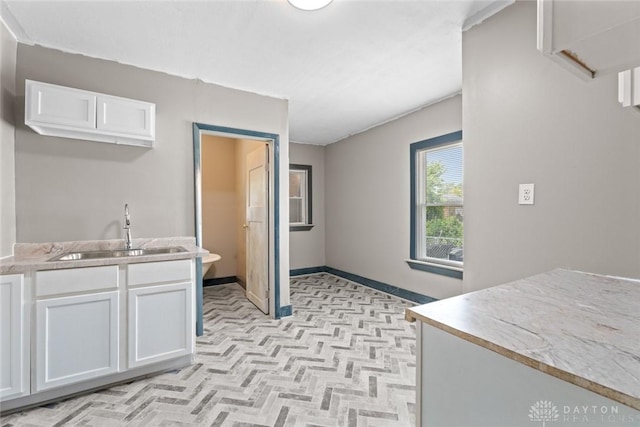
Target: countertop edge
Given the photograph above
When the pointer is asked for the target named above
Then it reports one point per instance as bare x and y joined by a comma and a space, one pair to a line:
618, 396
12, 266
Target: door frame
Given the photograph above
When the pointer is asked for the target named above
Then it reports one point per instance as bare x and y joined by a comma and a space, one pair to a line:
273, 142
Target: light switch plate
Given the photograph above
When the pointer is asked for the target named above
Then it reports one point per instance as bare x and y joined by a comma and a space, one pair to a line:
525, 195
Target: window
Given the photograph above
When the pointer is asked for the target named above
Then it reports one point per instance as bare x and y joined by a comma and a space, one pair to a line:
300, 198
437, 205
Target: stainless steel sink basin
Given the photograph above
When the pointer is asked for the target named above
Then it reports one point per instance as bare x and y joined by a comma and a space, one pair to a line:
117, 253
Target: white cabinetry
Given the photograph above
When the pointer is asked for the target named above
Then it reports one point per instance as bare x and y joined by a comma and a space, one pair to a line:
14, 338
590, 37
73, 113
463, 384
76, 336
161, 317
60, 106
124, 116
69, 330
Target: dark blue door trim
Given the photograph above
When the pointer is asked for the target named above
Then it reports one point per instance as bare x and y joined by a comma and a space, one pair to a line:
274, 141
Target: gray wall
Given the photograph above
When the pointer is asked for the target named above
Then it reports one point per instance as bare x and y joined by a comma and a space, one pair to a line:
527, 120
75, 190
367, 200
71, 189
307, 247
8, 53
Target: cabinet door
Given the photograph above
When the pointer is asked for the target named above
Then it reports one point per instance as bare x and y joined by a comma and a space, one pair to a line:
161, 323
126, 116
14, 355
59, 106
76, 338
590, 38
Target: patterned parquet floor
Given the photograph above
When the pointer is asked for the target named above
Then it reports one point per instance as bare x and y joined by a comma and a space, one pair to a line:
345, 358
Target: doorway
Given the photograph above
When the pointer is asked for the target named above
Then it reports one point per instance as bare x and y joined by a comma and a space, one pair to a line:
271, 210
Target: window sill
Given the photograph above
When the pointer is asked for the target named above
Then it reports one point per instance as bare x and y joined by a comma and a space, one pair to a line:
444, 270
305, 227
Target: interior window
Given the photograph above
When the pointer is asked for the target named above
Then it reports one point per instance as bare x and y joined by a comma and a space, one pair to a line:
300, 198
437, 203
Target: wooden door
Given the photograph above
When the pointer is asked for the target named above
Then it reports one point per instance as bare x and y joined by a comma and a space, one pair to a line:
257, 229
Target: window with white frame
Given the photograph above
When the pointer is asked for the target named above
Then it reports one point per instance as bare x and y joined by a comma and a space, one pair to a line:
300, 198
437, 205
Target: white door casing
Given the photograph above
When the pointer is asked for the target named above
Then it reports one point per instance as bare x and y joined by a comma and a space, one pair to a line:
256, 227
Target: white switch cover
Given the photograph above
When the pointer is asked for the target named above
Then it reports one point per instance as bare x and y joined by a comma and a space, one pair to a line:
525, 195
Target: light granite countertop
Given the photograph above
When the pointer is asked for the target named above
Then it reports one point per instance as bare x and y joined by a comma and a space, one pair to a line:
582, 328
35, 256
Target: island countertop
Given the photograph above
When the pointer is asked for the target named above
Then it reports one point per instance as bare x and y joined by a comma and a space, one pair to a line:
582, 328
37, 256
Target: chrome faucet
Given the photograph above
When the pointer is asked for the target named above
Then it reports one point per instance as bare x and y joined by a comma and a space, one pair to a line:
127, 226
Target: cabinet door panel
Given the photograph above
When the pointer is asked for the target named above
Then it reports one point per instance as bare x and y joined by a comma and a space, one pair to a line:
14, 359
77, 338
160, 323
126, 116
58, 105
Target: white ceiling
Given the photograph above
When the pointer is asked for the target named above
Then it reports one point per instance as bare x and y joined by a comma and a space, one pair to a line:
344, 68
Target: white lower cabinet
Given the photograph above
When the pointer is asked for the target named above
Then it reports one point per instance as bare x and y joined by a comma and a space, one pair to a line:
460, 383
67, 330
76, 338
160, 323
14, 338
76, 326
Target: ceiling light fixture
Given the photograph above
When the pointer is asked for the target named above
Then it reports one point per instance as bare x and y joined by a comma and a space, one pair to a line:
309, 4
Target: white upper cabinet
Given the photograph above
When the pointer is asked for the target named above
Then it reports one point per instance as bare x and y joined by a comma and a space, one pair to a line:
590, 38
54, 110
125, 116
61, 106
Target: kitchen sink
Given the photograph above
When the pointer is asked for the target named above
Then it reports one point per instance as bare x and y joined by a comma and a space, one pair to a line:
116, 253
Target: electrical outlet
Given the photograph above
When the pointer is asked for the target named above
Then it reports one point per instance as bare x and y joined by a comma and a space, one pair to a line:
525, 195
